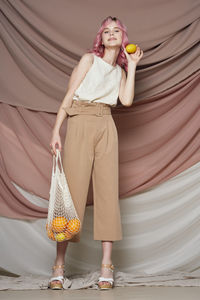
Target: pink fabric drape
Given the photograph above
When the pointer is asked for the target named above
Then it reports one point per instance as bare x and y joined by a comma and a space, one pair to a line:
159, 135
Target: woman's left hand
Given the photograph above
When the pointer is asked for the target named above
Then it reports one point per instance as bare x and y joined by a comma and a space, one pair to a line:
134, 57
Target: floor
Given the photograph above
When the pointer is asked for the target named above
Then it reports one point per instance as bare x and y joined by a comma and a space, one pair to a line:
125, 293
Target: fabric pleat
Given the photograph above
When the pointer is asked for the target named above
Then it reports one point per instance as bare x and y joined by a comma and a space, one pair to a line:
160, 229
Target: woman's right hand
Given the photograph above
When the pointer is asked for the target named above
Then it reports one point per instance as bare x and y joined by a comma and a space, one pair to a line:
55, 141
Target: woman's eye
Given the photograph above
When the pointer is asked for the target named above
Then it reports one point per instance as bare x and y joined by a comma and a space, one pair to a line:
117, 30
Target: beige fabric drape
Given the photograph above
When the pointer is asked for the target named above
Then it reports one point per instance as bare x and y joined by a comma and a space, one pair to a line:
160, 238
158, 136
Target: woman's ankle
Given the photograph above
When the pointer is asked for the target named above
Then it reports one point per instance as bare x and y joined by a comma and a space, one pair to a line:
106, 261
59, 261
56, 271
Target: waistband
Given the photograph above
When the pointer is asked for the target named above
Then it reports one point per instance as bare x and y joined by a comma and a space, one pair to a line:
84, 107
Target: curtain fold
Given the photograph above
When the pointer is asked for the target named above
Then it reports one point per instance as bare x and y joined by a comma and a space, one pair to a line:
38, 58
157, 140
158, 135
160, 235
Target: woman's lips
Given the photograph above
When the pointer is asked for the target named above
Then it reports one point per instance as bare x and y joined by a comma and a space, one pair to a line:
112, 39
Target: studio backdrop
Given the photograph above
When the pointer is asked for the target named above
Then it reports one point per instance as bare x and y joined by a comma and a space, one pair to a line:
159, 136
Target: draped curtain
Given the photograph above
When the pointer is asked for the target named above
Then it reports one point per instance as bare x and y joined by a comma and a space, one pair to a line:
158, 134
41, 43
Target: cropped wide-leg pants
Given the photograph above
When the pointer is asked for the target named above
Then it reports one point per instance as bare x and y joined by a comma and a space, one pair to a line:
91, 149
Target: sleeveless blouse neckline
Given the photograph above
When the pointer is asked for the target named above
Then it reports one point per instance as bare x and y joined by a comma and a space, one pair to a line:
101, 59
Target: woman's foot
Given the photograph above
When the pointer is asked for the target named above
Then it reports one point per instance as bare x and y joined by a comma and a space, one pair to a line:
106, 272
58, 270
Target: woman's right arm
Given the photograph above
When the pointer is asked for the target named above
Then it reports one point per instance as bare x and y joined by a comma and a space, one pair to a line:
76, 78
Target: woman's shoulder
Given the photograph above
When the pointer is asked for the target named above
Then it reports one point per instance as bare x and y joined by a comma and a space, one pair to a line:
88, 57
85, 61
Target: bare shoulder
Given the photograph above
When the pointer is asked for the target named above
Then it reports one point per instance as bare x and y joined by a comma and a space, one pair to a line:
88, 57
85, 62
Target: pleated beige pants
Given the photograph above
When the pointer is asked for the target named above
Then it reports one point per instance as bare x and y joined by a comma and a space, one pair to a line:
91, 149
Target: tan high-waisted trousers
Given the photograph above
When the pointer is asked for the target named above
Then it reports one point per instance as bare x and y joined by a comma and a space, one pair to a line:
91, 148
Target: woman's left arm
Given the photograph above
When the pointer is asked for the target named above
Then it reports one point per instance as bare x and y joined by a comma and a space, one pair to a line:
127, 86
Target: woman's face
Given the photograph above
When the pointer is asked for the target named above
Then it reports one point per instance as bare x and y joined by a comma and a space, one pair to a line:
112, 35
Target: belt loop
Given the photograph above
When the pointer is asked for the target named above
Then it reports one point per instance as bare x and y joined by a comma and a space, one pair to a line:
100, 110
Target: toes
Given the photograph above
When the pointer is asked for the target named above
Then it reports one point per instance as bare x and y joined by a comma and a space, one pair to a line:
102, 282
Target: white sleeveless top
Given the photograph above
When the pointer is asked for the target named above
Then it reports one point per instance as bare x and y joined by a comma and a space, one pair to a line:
101, 83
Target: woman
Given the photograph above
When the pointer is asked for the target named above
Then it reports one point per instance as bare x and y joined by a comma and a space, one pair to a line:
91, 146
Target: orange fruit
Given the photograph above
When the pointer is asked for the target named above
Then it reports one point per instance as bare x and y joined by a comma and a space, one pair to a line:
131, 48
67, 234
50, 233
73, 225
59, 224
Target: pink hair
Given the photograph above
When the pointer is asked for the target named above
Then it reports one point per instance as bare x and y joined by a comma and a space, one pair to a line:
98, 48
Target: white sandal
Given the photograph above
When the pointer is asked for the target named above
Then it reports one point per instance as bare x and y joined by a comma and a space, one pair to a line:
109, 281
55, 285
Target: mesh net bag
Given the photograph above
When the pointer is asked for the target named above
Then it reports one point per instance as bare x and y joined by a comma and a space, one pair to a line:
62, 220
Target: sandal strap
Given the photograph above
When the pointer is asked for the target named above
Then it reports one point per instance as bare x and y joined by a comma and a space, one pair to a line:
106, 279
59, 278
58, 267
108, 266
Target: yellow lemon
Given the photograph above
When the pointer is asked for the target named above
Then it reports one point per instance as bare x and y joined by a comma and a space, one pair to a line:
59, 224
60, 237
131, 48
73, 225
